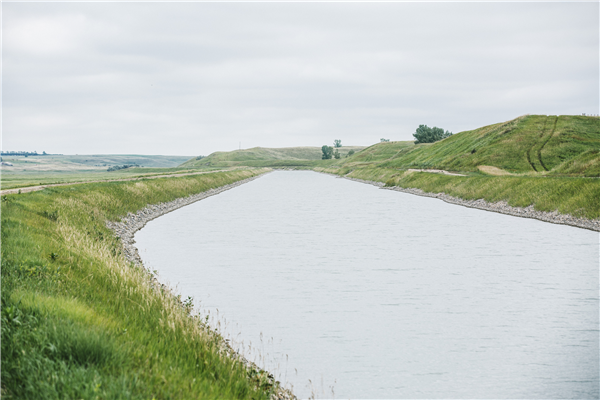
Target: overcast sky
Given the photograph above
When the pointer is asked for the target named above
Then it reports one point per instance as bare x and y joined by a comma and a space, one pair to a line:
193, 78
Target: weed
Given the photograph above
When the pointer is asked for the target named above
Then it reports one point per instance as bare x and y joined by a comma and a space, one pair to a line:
51, 215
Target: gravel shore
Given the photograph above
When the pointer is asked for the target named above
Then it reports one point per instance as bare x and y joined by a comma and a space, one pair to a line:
130, 224
501, 207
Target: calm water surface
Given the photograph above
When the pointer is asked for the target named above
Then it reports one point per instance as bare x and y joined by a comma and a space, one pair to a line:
371, 293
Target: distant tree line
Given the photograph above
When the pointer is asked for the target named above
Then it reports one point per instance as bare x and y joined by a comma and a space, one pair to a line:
118, 167
22, 153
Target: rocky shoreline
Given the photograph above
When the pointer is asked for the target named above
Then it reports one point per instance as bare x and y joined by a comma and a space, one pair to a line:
131, 223
501, 207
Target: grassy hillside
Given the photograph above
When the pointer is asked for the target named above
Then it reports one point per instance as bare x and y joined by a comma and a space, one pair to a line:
259, 156
550, 162
78, 321
534, 144
568, 195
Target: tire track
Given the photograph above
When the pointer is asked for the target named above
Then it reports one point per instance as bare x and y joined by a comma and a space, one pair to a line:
533, 156
531, 149
539, 152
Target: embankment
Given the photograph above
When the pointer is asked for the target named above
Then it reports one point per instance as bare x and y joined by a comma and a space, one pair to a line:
126, 228
479, 200
79, 320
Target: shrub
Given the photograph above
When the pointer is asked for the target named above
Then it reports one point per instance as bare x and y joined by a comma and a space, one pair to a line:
425, 134
327, 152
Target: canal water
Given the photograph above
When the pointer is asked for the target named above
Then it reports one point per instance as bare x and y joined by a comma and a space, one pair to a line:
345, 290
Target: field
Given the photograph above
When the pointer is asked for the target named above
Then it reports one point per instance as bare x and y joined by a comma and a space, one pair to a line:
49, 169
78, 321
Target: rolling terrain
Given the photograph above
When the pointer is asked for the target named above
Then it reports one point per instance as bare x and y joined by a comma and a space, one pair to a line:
79, 321
262, 156
549, 162
57, 169
534, 145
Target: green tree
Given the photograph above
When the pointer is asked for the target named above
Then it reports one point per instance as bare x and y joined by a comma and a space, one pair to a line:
337, 143
351, 152
384, 140
327, 152
425, 134
337, 155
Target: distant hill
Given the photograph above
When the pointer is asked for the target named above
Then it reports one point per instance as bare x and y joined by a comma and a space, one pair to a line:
535, 144
259, 156
565, 145
117, 159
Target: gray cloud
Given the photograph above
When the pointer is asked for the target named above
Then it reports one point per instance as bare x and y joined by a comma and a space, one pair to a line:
192, 78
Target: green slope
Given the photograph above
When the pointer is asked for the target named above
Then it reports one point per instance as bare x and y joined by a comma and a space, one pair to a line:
536, 144
80, 322
259, 156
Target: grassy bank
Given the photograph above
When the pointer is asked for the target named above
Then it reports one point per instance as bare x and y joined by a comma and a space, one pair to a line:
574, 196
78, 321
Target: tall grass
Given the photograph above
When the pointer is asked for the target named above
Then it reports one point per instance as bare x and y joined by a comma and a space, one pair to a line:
78, 321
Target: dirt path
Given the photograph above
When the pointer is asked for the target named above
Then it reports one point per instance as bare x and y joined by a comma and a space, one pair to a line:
41, 187
435, 171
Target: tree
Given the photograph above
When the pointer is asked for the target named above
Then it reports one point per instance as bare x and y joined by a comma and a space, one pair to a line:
425, 134
327, 152
337, 155
351, 152
384, 140
337, 143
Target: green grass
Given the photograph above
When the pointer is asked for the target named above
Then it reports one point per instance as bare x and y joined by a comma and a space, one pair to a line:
78, 321
20, 180
258, 156
567, 195
534, 144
